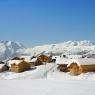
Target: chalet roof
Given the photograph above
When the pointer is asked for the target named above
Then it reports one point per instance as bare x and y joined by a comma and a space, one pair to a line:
14, 61
79, 61
62, 60
83, 61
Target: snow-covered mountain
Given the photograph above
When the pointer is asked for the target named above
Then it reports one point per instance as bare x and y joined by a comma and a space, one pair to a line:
69, 47
9, 49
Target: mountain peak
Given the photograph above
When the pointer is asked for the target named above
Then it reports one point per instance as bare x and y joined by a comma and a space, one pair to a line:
9, 49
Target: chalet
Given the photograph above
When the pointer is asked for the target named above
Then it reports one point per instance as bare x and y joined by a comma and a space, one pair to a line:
62, 64
82, 65
44, 58
62, 67
19, 65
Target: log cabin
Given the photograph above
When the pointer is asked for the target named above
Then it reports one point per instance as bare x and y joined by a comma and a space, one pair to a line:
19, 66
44, 58
62, 64
82, 65
62, 67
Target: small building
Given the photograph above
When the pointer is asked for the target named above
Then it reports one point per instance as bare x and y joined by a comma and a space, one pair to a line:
62, 64
19, 66
62, 67
82, 65
3, 67
44, 58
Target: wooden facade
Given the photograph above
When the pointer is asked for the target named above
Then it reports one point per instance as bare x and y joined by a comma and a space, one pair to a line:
44, 58
76, 69
22, 66
62, 67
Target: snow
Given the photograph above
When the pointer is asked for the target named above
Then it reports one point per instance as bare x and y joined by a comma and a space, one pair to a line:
71, 56
26, 58
46, 87
62, 61
83, 61
9, 49
75, 58
55, 57
48, 71
14, 61
62, 76
33, 73
46, 80
69, 47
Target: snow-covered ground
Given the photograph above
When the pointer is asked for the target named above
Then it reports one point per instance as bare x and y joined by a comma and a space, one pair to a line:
46, 87
46, 80
60, 76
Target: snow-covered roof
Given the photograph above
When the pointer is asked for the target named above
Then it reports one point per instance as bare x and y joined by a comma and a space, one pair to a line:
62, 61
79, 61
26, 58
82, 61
14, 61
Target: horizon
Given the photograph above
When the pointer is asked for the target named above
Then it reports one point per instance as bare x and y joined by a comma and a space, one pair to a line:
46, 43
39, 22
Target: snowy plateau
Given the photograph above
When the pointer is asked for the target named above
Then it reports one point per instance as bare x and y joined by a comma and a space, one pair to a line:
46, 80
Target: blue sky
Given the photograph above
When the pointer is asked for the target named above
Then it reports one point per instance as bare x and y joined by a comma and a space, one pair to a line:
35, 22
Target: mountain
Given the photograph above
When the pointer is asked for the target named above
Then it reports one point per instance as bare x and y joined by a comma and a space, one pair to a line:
68, 47
9, 49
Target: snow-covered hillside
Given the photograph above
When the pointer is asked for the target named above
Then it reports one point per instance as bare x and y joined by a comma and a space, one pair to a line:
9, 49
69, 47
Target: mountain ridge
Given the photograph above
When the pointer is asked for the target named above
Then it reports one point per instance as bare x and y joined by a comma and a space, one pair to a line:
10, 49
